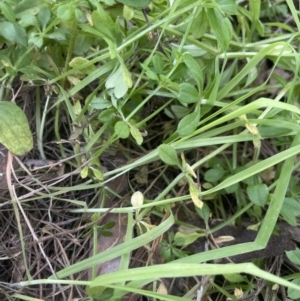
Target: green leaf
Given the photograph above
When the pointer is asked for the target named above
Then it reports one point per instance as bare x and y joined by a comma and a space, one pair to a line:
13, 32
136, 135
228, 6
289, 216
79, 61
292, 205
84, 172
214, 175
15, 134
258, 194
150, 73
99, 293
168, 154
135, 3
65, 12
188, 93
122, 129
294, 256
158, 63
128, 13
199, 26
293, 293
220, 27
7, 12
235, 278
194, 193
44, 16
188, 124
99, 18
204, 213
116, 81
186, 238
97, 173
194, 69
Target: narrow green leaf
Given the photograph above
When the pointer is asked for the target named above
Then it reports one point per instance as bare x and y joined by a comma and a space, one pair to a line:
15, 134
168, 154
258, 194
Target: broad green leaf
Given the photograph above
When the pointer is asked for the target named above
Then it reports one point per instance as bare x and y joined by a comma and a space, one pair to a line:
15, 134
79, 61
65, 12
136, 135
35, 39
150, 73
122, 129
168, 154
13, 32
199, 26
135, 3
128, 13
214, 175
56, 35
289, 210
258, 194
84, 172
99, 19
97, 173
100, 103
7, 11
28, 20
28, 7
188, 94
99, 293
235, 278
293, 293
194, 69
44, 16
188, 124
228, 6
204, 213
116, 81
186, 238
294, 256
179, 111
